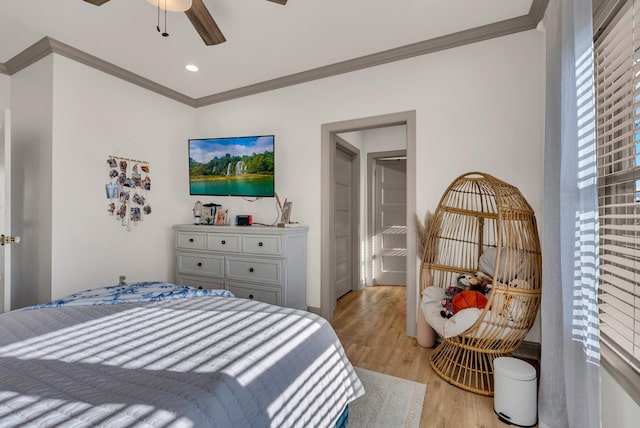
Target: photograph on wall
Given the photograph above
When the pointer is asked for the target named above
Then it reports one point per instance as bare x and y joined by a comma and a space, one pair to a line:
135, 214
127, 189
113, 190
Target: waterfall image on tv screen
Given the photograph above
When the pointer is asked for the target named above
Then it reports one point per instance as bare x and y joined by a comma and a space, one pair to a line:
237, 166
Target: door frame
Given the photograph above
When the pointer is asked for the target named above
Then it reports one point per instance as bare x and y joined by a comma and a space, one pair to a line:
372, 159
328, 152
355, 208
6, 285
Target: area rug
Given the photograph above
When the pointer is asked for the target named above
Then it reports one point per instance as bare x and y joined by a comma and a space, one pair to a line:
388, 402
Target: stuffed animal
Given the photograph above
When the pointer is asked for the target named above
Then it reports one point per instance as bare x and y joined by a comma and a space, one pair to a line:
481, 283
447, 302
464, 280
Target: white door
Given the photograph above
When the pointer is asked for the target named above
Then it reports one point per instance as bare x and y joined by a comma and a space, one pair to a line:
5, 211
343, 195
390, 232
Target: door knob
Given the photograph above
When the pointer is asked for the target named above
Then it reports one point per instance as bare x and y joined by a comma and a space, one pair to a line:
7, 239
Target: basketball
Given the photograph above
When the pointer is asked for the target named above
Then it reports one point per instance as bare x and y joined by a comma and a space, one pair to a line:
468, 299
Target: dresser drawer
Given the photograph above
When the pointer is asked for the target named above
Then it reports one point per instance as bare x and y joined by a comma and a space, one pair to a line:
265, 263
191, 240
200, 282
224, 242
263, 244
261, 271
202, 264
262, 294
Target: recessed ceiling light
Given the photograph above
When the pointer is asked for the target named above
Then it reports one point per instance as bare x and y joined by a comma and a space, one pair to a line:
191, 67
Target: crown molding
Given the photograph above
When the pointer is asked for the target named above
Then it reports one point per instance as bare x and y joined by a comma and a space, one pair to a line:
119, 72
536, 12
24, 59
48, 45
449, 41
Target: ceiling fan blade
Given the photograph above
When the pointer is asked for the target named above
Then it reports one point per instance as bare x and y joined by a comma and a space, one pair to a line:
97, 2
279, 1
204, 24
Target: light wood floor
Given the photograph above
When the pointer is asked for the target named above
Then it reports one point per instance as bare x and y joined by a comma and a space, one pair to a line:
373, 333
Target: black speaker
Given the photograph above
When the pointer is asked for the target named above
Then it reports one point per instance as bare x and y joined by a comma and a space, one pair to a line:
244, 220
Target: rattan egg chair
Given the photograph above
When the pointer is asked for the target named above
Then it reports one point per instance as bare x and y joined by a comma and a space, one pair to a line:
480, 214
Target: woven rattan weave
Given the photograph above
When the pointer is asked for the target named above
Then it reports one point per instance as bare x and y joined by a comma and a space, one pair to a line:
476, 213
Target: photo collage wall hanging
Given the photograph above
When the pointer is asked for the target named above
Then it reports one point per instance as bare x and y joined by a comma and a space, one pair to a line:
128, 190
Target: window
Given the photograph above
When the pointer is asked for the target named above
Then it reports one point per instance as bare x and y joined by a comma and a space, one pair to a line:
617, 88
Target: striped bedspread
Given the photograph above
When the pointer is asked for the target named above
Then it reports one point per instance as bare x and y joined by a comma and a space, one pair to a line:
192, 362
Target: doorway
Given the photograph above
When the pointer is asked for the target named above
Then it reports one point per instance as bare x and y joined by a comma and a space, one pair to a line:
328, 292
387, 217
347, 213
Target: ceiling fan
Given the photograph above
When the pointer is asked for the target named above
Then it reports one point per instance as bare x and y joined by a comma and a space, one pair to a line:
200, 18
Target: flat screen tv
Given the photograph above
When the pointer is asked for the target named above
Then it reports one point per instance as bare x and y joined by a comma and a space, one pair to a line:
235, 166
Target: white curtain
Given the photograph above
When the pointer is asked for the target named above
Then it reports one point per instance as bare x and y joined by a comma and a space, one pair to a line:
569, 370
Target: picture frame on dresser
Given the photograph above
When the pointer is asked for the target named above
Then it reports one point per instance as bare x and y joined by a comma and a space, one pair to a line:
221, 216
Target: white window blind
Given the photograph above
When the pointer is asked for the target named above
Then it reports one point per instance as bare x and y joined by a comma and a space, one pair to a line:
617, 75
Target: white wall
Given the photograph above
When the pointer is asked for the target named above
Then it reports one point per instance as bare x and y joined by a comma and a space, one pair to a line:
32, 127
385, 139
478, 107
67, 119
96, 115
5, 91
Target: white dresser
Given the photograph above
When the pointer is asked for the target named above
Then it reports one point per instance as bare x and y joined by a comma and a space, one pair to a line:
254, 262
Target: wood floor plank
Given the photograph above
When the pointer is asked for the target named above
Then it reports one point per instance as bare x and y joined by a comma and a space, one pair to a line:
372, 331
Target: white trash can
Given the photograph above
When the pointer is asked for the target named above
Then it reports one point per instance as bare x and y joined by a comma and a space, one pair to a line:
515, 398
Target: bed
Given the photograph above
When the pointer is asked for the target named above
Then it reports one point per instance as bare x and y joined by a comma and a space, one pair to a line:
157, 356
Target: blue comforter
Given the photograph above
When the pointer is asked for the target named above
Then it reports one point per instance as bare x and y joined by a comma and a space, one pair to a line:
131, 293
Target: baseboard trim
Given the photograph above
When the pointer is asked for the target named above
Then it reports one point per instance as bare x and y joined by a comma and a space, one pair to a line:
528, 350
314, 310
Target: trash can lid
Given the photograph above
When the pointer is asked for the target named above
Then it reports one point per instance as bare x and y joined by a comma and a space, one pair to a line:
514, 368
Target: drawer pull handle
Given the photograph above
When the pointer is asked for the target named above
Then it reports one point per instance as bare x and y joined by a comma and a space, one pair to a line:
251, 296
260, 244
223, 242
190, 239
250, 269
199, 264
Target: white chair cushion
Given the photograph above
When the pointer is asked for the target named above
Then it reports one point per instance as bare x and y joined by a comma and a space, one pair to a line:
457, 324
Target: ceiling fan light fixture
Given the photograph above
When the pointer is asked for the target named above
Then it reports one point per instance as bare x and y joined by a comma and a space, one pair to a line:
172, 5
